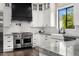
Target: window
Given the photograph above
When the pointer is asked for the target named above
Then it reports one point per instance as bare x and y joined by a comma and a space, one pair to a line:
34, 6
65, 18
40, 7
7, 4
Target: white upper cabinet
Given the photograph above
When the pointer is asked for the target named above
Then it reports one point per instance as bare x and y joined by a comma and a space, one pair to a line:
41, 14
7, 14
52, 16
1, 7
76, 14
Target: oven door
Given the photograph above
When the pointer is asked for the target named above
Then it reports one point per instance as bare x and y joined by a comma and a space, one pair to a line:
27, 42
17, 43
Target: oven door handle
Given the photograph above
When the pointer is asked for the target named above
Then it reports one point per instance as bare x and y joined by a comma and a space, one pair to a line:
22, 41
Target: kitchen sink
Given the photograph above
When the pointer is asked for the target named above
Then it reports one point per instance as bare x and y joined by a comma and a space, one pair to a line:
67, 38
63, 37
57, 36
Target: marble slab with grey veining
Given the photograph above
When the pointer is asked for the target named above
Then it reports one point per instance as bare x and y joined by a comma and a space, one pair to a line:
48, 52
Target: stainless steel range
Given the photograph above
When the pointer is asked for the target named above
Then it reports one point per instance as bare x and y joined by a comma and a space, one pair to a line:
17, 40
22, 40
27, 39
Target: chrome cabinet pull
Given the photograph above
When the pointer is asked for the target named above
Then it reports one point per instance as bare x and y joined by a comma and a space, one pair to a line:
9, 46
9, 41
8, 37
45, 39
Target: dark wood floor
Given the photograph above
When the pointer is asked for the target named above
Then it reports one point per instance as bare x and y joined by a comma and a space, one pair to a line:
22, 52
29, 52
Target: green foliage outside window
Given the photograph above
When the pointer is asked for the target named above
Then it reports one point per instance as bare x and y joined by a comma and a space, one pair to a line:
68, 22
67, 19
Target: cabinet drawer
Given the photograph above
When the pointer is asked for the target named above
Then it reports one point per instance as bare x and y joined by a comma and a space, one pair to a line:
8, 37
34, 38
8, 46
35, 44
8, 42
6, 50
34, 41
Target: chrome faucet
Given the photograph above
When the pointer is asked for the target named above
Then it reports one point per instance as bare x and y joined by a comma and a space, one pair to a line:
62, 31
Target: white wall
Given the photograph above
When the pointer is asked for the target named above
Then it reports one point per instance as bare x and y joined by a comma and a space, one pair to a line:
76, 15
25, 27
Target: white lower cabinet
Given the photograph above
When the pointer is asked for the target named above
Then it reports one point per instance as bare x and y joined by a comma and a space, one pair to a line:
62, 49
36, 40
8, 43
42, 41
54, 45
70, 51
66, 50
45, 42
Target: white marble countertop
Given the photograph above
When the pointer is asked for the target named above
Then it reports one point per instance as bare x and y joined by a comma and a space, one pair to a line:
7, 34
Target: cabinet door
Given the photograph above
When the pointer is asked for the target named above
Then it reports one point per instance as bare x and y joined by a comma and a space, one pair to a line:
35, 15
47, 42
7, 14
44, 15
40, 19
62, 49
70, 51
41, 42
52, 45
40, 15
36, 40
46, 18
7, 30
35, 18
8, 43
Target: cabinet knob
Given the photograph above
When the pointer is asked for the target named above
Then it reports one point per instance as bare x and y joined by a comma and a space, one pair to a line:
9, 41
45, 39
56, 41
8, 37
9, 46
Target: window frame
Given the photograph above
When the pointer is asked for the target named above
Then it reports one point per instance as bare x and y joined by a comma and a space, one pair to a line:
57, 13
